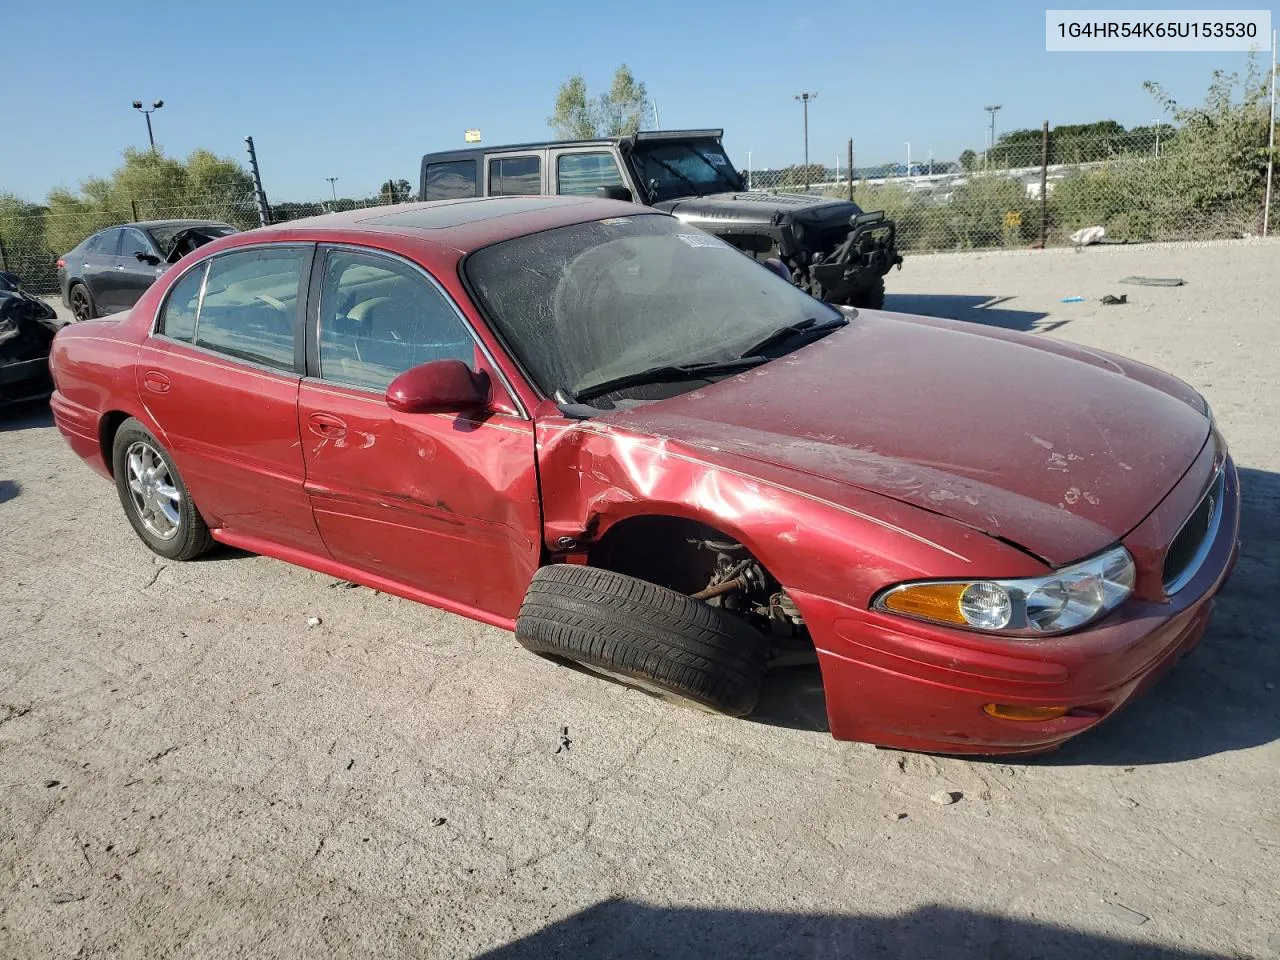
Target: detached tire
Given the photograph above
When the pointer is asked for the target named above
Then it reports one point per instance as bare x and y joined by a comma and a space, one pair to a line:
872, 298
644, 636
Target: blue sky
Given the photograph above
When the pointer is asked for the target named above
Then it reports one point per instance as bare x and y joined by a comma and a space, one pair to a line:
361, 90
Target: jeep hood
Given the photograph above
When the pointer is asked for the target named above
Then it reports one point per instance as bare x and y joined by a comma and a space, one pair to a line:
751, 207
1058, 449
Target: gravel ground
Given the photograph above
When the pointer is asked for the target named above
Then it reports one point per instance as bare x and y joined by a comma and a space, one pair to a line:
188, 769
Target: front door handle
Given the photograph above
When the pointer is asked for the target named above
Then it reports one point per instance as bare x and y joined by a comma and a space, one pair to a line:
326, 425
156, 382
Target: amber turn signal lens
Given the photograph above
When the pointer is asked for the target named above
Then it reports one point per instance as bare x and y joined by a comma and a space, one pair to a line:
933, 601
1009, 711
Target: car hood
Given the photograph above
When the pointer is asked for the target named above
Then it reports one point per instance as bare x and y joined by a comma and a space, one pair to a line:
1052, 447
755, 207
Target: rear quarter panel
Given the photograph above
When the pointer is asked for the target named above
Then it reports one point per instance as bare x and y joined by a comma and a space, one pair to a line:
93, 365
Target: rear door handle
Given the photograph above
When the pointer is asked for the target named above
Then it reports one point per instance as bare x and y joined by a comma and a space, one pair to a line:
326, 425
156, 382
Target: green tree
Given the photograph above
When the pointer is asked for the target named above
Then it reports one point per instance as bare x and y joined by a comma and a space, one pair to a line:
22, 239
152, 186
618, 113
968, 160
395, 191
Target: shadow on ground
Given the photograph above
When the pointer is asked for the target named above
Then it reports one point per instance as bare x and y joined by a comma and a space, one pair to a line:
26, 415
622, 928
988, 310
9, 490
1221, 698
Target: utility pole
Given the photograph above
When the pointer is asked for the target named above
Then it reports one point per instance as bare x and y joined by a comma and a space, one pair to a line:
748, 169
1157, 136
332, 181
260, 195
908, 158
992, 109
156, 105
657, 121
805, 98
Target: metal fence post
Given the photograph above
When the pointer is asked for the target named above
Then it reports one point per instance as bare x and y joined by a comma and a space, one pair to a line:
260, 195
133, 205
1271, 141
850, 170
1044, 186
4, 260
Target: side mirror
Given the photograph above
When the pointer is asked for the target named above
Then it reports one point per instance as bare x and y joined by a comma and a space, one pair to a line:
441, 386
614, 193
778, 267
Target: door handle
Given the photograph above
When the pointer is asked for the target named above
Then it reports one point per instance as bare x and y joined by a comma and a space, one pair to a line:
156, 382
119, 266
326, 425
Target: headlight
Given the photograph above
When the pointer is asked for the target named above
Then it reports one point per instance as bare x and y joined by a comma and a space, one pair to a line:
1034, 606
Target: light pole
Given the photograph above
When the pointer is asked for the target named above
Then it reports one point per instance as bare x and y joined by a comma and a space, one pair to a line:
332, 181
992, 109
657, 121
137, 105
748, 169
908, 158
805, 98
1157, 136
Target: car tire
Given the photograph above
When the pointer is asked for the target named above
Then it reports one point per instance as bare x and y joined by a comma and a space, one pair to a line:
644, 636
82, 305
154, 497
872, 297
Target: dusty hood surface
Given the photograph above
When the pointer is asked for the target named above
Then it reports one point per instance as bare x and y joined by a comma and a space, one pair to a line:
1051, 447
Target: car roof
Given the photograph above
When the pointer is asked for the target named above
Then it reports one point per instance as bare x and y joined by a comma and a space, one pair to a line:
147, 224
464, 153
461, 225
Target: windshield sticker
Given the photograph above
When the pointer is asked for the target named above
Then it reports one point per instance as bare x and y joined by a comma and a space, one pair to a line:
716, 159
615, 221
700, 240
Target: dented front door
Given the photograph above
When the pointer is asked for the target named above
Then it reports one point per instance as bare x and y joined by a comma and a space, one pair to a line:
443, 504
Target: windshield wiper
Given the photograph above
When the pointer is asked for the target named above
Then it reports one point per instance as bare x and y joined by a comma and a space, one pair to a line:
808, 326
666, 373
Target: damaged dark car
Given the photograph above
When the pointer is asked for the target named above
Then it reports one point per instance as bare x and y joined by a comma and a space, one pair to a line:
831, 248
27, 326
108, 271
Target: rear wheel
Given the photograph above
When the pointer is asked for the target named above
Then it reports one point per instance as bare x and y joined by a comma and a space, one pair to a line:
82, 305
644, 636
154, 497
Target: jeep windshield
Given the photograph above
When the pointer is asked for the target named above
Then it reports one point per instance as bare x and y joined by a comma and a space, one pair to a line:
635, 301
669, 169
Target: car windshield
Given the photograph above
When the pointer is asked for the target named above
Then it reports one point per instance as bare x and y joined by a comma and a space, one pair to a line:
163, 236
683, 168
592, 302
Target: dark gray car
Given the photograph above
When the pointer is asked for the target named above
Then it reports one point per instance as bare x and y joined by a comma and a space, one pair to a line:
111, 269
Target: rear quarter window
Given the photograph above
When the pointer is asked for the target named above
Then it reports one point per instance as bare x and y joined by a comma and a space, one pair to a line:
454, 180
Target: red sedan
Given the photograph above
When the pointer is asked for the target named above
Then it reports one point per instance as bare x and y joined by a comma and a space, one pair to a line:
653, 458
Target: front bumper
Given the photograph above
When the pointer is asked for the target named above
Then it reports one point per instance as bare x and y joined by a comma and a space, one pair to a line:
913, 686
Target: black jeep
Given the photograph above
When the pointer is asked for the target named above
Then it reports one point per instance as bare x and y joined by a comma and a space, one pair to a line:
833, 249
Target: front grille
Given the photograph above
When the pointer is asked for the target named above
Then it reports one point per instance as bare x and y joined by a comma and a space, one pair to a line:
1192, 542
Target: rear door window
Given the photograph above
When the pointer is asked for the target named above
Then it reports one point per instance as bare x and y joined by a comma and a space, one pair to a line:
454, 180
515, 176
250, 305
105, 244
578, 174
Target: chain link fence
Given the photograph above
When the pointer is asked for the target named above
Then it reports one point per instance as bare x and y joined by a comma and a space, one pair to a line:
1144, 185
1140, 186
32, 238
